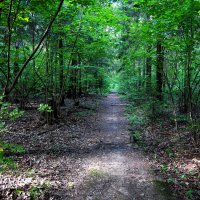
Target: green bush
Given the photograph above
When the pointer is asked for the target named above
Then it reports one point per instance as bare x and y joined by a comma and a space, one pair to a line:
44, 108
7, 113
6, 162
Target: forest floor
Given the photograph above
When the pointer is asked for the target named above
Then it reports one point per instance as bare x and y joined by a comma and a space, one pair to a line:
175, 153
87, 155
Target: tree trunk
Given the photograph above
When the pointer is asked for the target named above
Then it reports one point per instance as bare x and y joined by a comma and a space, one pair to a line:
148, 75
159, 70
61, 71
7, 90
9, 48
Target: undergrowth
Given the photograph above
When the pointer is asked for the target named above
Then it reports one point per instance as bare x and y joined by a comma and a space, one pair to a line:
152, 127
7, 114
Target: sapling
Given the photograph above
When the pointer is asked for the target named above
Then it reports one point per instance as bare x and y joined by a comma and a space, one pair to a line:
46, 111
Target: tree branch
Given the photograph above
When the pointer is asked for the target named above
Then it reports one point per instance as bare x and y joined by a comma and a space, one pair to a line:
7, 92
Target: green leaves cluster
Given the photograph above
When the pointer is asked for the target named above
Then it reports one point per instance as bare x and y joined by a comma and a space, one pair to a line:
44, 108
7, 112
5, 161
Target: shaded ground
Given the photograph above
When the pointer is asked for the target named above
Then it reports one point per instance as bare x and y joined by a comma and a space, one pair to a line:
86, 156
174, 153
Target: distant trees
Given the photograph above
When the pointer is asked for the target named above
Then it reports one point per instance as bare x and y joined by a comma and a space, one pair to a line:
65, 48
163, 53
53, 49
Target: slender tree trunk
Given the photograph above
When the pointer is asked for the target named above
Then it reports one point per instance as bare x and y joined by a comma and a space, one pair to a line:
47, 73
189, 83
159, 70
9, 47
16, 69
73, 79
188, 70
61, 71
148, 75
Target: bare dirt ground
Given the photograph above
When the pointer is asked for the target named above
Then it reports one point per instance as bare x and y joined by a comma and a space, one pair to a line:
87, 156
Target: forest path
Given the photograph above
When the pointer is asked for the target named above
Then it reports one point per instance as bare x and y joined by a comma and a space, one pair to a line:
116, 171
87, 156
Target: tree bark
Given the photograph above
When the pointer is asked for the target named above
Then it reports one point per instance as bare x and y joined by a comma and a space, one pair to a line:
61, 71
9, 46
159, 70
148, 74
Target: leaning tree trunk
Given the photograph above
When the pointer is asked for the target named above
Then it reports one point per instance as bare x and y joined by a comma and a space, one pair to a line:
7, 90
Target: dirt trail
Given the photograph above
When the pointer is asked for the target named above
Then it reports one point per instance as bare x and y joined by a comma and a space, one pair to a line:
91, 159
116, 171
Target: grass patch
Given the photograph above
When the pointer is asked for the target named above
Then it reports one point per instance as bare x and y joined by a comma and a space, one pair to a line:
94, 172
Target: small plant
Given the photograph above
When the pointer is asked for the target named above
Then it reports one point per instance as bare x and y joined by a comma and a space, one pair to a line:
183, 176
46, 112
189, 193
13, 148
170, 180
136, 136
45, 108
163, 168
7, 113
169, 152
5, 162
17, 193
34, 192
95, 172
31, 173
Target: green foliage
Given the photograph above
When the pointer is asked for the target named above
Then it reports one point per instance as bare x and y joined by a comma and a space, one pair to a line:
136, 116
169, 22
13, 148
96, 173
180, 118
19, 191
156, 109
45, 108
82, 2
6, 162
7, 113
136, 136
189, 193
136, 120
170, 180
34, 192
169, 152
87, 29
163, 168
194, 128
15, 114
